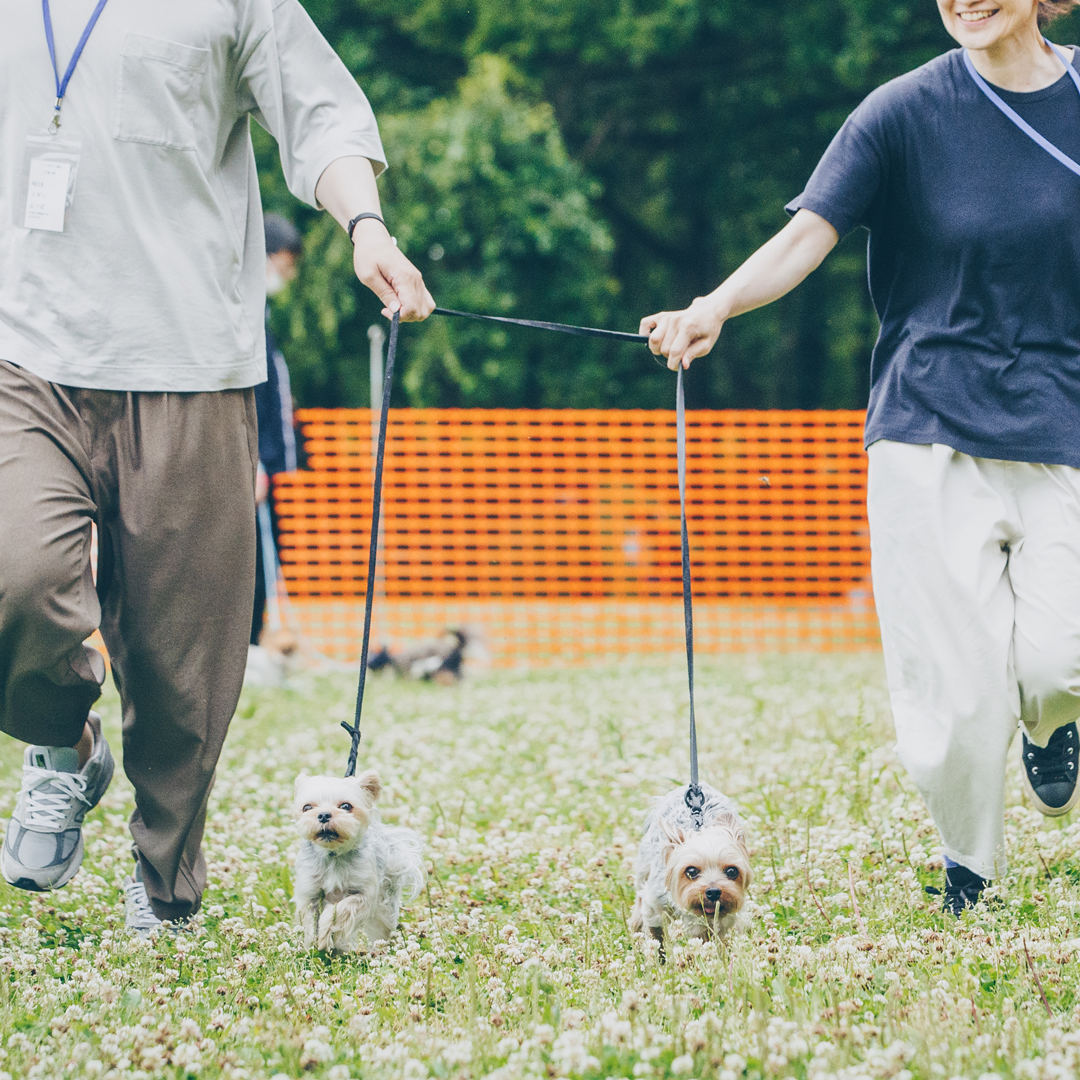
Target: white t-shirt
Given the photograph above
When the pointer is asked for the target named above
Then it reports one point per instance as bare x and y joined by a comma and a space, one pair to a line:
158, 281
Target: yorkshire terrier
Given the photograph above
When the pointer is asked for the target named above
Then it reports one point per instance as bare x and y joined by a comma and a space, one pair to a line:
698, 875
352, 871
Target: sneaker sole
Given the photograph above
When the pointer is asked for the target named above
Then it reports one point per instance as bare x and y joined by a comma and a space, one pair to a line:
19, 880
1044, 808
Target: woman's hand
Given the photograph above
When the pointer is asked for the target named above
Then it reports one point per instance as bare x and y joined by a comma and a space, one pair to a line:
773, 270
683, 336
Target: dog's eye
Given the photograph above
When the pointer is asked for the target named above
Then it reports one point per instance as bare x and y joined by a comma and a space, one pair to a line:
692, 872
346, 806
307, 807
732, 872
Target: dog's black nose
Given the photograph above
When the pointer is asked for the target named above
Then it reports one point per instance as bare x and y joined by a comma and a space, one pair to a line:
324, 817
712, 895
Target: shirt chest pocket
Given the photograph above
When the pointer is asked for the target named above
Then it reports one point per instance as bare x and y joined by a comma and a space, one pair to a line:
158, 91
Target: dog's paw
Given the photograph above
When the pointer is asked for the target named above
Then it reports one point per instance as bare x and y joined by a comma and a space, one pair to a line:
324, 937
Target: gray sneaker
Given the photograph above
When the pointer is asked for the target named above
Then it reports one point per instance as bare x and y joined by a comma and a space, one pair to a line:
139, 917
43, 848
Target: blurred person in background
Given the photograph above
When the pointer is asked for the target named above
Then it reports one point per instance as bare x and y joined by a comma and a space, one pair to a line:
131, 335
273, 402
964, 171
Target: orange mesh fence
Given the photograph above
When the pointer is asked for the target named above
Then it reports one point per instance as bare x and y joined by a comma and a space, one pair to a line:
556, 531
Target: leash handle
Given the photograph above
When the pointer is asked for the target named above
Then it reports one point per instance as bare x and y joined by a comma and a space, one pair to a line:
373, 550
695, 798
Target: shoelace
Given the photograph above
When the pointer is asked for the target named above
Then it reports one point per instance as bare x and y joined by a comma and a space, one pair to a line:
144, 913
1054, 763
50, 809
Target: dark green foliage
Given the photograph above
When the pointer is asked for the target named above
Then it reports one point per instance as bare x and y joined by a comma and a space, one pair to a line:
619, 157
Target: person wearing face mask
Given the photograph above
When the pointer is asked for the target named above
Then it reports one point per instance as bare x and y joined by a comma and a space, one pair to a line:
273, 400
966, 173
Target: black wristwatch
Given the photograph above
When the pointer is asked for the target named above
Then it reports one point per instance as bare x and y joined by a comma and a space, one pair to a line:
360, 217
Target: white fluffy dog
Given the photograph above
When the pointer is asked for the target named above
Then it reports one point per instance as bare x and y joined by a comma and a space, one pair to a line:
352, 871
697, 875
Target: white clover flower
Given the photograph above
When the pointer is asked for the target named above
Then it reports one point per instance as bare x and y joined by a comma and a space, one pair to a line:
315, 1053
189, 1029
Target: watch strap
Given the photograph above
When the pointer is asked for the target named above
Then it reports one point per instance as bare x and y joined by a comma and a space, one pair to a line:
360, 217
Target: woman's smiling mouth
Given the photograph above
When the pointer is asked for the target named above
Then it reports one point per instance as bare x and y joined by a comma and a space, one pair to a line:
976, 16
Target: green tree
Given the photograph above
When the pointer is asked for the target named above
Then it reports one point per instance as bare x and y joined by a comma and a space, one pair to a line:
485, 200
680, 128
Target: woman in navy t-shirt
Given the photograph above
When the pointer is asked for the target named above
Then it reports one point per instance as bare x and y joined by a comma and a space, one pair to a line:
966, 172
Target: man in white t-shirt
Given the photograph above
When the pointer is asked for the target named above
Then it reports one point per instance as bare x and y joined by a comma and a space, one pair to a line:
132, 284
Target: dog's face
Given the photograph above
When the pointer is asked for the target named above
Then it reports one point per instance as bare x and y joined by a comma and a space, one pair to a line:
332, 811
707, 871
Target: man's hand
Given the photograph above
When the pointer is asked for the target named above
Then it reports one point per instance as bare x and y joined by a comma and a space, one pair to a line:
262, 485
388, 273
683, 336
346, 188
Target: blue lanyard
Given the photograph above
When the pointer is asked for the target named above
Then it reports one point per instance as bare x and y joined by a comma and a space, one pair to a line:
1018, 120
62, 84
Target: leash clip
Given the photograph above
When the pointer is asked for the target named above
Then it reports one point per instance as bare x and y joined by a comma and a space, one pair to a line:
695, 802
354, 734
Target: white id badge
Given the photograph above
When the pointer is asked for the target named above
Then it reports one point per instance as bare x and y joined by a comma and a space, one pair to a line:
48, 182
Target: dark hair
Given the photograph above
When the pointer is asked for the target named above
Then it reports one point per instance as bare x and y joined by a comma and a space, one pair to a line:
1049, 10
282, 235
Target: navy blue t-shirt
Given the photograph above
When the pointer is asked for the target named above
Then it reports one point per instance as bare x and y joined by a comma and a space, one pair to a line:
974, 261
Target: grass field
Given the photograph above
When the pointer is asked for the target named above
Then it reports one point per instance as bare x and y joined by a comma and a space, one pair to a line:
517, 961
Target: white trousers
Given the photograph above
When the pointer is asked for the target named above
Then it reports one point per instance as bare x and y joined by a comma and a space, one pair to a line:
976, 570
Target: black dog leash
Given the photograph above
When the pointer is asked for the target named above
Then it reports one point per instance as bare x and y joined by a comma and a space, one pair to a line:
562, 328
695, 798
373, 549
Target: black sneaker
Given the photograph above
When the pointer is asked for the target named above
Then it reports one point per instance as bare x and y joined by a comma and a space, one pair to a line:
1050, 773
963, 887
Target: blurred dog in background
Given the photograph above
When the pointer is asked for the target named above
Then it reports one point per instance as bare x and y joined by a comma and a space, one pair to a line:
441, 660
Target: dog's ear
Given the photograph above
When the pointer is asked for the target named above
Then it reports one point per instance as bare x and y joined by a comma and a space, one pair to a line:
299, 780
671, 832
731, 821
369, 781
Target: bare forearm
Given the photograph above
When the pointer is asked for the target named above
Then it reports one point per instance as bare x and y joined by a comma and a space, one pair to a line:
776, 267
347, 187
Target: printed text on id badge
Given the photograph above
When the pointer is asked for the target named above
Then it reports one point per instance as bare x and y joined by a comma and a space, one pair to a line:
48, 187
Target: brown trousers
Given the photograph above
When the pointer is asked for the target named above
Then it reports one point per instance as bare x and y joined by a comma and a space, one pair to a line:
169, 480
